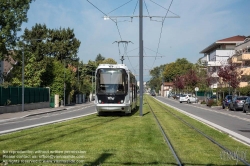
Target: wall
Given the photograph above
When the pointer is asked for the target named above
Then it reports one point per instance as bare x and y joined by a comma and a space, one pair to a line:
18, 108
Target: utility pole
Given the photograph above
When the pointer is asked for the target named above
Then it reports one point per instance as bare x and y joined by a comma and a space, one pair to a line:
114, 19
141, 56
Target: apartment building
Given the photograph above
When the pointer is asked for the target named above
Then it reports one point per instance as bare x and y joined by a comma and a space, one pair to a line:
218, 53
241, 58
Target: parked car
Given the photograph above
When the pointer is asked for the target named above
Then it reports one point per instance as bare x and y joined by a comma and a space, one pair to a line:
237, 103
187, 98
152, 93
246, 105
226, 101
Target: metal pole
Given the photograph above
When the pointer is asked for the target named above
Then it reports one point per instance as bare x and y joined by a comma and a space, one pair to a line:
64, 87
23, 81
78, 83
141, 56
92, 87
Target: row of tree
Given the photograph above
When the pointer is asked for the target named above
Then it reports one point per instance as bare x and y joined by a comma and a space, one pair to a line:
50, 55
186, 76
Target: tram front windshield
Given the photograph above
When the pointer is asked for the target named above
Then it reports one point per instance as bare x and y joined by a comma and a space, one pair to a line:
111, 81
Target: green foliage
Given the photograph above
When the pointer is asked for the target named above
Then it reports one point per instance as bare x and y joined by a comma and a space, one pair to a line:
32, 73
244, 90
109, 61
99, 58
177, 68
156, 79
12, 15
58, 43
61, 75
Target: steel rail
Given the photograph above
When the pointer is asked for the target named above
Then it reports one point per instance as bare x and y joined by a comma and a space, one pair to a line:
206, 136
166, 137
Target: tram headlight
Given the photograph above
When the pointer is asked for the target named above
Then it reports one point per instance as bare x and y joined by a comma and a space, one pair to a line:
122, 101
99, 101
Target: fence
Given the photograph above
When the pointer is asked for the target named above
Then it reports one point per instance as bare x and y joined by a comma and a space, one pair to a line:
13, 95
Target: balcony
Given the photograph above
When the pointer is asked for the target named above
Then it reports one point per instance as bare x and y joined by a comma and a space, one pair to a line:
244, 57
213, 63
236, 59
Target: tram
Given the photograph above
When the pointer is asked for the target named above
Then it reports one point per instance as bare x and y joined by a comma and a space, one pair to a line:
116, 89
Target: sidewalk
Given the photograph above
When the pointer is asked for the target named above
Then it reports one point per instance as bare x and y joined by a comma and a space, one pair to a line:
16, 115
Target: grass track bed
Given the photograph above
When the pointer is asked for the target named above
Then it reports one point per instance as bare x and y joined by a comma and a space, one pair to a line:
124, 140
107, 140
192, 147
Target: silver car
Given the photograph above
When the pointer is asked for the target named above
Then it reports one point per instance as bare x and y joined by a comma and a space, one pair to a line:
187, 98
237, 103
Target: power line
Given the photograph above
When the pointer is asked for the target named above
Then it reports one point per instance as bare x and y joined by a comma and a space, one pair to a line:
161, 32
164, 8
135, 7
146, 7
154, 51
119, 7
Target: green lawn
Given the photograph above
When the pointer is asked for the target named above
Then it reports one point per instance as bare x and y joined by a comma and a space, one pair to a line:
193, 148
117, 140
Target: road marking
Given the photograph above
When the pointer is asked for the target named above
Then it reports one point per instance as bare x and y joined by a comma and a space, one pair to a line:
42, 124
40, 117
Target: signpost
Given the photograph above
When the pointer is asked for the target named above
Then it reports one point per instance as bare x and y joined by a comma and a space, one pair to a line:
196, 89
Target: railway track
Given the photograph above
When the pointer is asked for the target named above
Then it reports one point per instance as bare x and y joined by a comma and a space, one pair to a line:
171, 113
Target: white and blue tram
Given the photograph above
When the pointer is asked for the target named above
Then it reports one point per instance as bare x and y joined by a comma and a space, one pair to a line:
116, 89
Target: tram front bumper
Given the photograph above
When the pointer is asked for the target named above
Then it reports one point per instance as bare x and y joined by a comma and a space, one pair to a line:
113, 108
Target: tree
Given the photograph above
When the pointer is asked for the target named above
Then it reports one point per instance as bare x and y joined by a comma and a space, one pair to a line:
12, 15
61, 75
35, 41
191, 79
99, 58
177, 68
109, 61
157, 78
58, 43
33, 72
63, 43
230, 74
179, 82
201, 72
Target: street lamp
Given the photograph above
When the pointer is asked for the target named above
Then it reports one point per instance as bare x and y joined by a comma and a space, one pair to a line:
23, 71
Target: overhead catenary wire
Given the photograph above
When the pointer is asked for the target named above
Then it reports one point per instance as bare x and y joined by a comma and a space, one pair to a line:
161, 32
119, 6
164, 8
113, 21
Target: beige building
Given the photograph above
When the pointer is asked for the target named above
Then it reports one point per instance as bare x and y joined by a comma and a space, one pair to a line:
217, 55
166, 88
242, 59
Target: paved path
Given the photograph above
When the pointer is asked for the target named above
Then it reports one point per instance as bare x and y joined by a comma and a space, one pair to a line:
16, 115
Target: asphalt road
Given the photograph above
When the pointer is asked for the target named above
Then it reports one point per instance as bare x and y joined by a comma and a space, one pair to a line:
234, 122
44, 119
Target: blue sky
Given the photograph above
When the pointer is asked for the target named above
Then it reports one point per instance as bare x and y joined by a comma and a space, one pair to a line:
201, 23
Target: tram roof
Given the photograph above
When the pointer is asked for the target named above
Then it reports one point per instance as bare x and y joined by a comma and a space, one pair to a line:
123, 66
